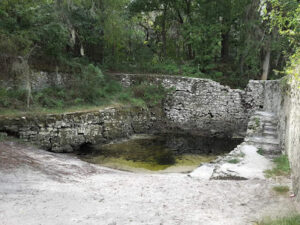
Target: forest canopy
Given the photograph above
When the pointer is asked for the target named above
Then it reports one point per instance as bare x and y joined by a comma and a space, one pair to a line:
230, 41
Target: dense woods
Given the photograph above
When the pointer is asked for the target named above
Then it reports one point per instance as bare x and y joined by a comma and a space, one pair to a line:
230, 41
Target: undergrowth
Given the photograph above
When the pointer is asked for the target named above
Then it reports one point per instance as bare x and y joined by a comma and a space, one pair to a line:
89, 89
220, 74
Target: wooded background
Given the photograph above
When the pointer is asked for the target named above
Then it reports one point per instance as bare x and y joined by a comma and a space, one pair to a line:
230, 41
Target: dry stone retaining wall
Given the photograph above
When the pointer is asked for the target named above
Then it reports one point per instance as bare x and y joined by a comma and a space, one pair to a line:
203, 106
66, 132
199, 107
289, 128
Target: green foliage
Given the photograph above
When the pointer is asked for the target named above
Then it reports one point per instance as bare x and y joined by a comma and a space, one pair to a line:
149, 93
257, 122
293, 70
260, 151
3, 137
90, 83
156, 37
225, 41
282, 167
50, 97
12, 98
284, 15
88, 87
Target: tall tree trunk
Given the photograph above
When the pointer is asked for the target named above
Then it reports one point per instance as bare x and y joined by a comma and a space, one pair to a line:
226, 12
188, 14
190, 51
266, 65
28, 89
225, 47
164, 32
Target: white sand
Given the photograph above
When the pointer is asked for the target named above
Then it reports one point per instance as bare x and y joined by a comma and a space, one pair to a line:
37, 187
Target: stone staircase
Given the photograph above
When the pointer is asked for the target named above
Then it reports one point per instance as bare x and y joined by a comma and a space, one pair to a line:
250, 159
262, 133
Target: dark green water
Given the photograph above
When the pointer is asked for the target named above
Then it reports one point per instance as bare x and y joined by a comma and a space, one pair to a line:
157, 152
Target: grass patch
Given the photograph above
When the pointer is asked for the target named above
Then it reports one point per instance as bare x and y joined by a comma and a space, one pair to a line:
260, 151
289, 220
257, 122
282, 167
233, 161
281, 189
38, 110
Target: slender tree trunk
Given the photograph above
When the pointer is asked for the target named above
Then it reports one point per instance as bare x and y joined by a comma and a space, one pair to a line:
266, 65
164, 32
242, 62
190, 51
188, 13
226, 32
225, 47
28, 88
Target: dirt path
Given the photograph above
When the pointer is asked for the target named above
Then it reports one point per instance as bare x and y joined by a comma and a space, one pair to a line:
38, 187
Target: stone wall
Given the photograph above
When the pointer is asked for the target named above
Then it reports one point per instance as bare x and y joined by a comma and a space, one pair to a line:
39, 80
273, 96
66, 132
289, 128
199, 107
203, 106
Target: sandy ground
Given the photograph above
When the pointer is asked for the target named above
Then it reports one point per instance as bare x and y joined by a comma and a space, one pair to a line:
42, 188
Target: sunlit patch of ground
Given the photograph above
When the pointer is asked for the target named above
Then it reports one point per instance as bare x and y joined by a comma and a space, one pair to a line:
38, 187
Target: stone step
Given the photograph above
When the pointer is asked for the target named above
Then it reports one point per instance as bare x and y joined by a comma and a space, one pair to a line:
271, 123
264, 116
271, 151
268, 149
262, 140
264, 113
268, 128
268, 120
270, 136
273, 156
270, 132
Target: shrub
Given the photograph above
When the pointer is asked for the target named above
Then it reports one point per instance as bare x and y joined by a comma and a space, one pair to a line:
89, 83
52, 97
12, 98
151, 94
